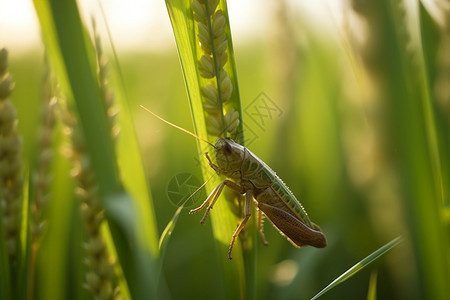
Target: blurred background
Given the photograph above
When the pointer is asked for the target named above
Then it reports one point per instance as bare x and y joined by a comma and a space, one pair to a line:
310, 91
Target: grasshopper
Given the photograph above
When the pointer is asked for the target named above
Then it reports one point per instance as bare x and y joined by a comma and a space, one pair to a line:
249, 175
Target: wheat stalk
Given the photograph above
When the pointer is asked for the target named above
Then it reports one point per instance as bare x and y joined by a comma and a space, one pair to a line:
10, 163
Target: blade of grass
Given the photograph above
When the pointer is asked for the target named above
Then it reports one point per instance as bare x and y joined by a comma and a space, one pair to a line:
167, 232
78, 55
132, 171
54, 252
428, 47
130, 159
399, 70
414, 136
430, 37
372, 293
25, 241
71, 52
240, 273
360, 265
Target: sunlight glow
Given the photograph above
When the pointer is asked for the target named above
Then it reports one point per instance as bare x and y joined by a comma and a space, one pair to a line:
144, 24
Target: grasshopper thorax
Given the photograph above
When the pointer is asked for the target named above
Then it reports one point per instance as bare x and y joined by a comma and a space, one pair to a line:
229, 156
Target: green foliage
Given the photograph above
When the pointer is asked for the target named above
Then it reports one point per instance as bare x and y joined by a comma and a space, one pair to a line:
130, 220
239, 274
357, 132
360, 265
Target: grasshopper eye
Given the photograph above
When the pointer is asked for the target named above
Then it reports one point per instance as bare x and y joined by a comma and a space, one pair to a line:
227, 148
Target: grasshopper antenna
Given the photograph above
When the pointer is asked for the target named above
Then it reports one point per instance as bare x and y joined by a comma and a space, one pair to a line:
176, 126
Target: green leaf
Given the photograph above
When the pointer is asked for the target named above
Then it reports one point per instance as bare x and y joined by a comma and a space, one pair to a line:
431, 41
430, 36
372, 293
240, 273
402, 75
134, 234
53, 254
25, 240
420, 157
132, 173
360, 265
167, 232
165, 236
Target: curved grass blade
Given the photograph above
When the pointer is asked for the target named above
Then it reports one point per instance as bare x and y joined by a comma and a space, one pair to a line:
360, 265
239, 275
71, 52
163, 240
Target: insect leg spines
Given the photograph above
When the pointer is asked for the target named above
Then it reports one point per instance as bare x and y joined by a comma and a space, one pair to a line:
260, 223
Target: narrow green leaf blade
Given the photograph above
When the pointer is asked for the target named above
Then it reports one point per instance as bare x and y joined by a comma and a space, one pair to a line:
164, 239
240, 273
360, 265
372, 293
71, 51
133, 175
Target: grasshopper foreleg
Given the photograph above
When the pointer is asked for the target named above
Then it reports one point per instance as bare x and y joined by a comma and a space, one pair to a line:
212, 165
212, 198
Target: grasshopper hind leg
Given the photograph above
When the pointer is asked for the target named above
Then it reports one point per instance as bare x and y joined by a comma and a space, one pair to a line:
247, 212
260, 220
211, 200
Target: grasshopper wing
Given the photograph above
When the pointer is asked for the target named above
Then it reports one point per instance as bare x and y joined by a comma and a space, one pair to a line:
293, 229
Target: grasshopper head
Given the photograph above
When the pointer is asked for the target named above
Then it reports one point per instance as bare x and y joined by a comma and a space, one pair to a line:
229, 155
